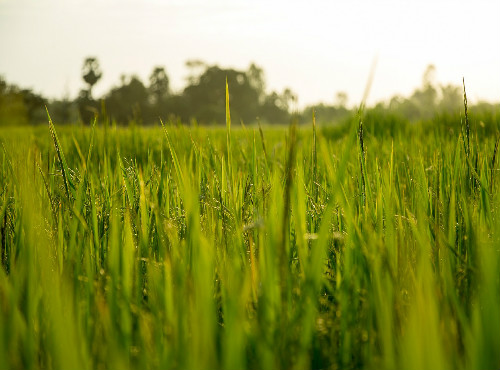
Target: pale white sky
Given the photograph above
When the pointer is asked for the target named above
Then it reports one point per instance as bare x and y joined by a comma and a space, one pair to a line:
316, 48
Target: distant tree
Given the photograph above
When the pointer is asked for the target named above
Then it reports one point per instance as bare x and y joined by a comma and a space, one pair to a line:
341, 99
425, 98
273, 110
429, 76
35, 106
276, 107
255, 75
87, 107
206, 96
3, 86
451, 99
128, 101
12, 109
158, 85
288, 99
20, 106
91, 73
196, 68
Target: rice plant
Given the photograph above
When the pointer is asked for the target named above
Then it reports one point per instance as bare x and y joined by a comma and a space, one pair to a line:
212, 248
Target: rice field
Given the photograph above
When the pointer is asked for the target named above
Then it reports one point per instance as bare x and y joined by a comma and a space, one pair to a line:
252, 247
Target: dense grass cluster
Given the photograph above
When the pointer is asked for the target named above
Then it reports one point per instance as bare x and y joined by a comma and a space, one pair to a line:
178, 248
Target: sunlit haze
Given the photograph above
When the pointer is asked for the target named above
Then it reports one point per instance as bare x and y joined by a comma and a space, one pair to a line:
316, 48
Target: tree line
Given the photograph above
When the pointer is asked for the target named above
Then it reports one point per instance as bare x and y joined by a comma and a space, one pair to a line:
132, 100
202, 101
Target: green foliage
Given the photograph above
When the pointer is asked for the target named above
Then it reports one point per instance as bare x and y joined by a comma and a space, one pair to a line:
19, 107
128, 102
158, 84
370, 245
207, 96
